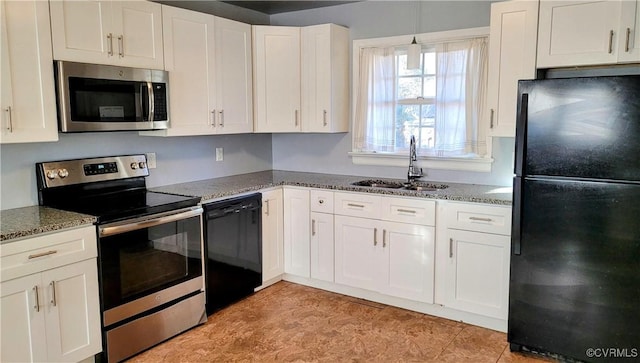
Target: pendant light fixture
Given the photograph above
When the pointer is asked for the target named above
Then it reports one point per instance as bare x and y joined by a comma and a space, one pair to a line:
414, 49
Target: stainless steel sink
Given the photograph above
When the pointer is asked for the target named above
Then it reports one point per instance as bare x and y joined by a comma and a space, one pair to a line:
390, 184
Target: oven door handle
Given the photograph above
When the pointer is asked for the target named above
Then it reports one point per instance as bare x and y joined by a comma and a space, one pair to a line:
117, 228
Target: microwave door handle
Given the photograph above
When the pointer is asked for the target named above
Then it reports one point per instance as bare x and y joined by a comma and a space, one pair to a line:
151, 102
142, 108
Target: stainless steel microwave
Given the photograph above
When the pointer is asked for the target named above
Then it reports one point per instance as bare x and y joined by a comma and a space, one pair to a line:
93, 97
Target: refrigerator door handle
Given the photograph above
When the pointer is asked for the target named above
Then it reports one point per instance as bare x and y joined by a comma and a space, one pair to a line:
521, 134
516, 220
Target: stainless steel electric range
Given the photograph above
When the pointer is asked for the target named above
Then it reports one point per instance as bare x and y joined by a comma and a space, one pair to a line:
150, 259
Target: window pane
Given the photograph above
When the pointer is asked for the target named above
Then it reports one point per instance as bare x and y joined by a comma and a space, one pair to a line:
430, 63
402, 66
427, 125
429, 86
409, 87
407, 123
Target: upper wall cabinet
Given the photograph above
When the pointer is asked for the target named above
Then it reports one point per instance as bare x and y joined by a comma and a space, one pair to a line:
27, 98
301, 78
575, 33
512, 56
209, 64
125, 33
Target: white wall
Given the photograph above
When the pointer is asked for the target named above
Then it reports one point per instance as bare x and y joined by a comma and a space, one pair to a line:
371, 19
179, 159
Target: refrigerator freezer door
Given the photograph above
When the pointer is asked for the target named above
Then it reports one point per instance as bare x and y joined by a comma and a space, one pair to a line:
580, 127
576, 283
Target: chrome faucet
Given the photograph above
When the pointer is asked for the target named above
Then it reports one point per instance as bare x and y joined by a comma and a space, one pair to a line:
414, 172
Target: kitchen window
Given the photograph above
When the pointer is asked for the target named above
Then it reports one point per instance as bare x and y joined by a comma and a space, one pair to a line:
441, 103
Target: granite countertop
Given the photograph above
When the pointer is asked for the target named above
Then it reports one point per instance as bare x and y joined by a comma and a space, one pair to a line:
27, 221
226, 186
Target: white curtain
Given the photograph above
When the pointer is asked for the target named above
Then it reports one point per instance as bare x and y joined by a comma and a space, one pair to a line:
374, 123
461, 78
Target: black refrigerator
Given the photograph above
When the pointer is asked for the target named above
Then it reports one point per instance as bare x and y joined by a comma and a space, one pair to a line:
575, 255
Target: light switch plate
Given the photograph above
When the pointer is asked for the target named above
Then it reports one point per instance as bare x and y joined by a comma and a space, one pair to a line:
219, 154
151, 160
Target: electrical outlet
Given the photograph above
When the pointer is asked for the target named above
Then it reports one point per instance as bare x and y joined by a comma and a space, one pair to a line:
151, 160
219, 154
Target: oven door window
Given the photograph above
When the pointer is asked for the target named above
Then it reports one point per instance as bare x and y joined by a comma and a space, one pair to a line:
140, 262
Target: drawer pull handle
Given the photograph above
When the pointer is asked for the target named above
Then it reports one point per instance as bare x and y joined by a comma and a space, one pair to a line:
42, 254
406, 211
321, 201
37, 305
355, 205
481, 219
53, 293
375, 236
450, 247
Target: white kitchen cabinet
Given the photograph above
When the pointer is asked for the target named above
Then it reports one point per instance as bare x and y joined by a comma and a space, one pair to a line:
575, 33
512, 57
276, 69
123, 33
473, 259
301, 78
322, 244
27, 96
296, 232
272, 229
384, 255
325, 78
49, 298
209, 63
234, 77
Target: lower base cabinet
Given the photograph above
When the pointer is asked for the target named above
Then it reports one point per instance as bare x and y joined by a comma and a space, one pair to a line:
322, 246
392, 258
272, 228
52, 316
296, 232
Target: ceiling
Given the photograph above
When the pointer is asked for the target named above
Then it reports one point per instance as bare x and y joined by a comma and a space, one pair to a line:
276, 7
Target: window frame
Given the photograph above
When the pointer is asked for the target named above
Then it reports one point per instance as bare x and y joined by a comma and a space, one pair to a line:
477, 164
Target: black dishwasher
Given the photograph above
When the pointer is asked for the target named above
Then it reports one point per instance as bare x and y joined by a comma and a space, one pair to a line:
233, 246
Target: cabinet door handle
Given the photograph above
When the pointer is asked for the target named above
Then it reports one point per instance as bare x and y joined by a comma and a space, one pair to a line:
266, 210
121, 46
406, 211
110, 45
42, 254
626, 43
384, 239
221, 118
37, 305
355, 205
53, 293
375, 236
610, 41
213, 118
296, 117
9, 120
481, 219
491, 118
324, 117
313, 227
450, 247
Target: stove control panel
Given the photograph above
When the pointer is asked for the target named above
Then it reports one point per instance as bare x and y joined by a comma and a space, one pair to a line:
67, 172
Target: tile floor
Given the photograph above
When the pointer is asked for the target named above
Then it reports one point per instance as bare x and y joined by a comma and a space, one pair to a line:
289, 322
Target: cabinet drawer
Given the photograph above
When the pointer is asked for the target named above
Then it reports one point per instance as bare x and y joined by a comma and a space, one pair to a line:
45, 252
409, 211
322, 201
357, 205
479, 217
